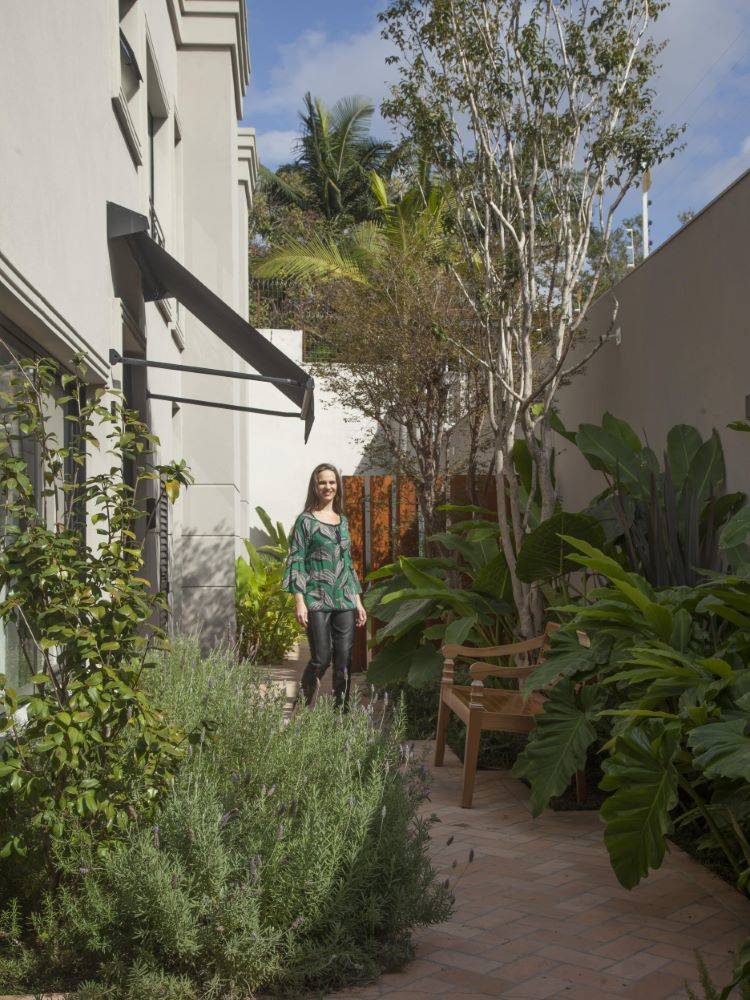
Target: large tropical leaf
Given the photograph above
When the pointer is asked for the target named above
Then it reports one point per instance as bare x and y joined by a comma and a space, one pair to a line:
426, 666
609, 453
623, 430
643, 779
683, 441
417, 577
544, 552
391, 663
736, 531
558, 746
494, 578
409, 614
706, 473
457, 631
722, 749
566, 657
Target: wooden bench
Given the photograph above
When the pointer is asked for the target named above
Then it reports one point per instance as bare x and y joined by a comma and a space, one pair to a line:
482, 708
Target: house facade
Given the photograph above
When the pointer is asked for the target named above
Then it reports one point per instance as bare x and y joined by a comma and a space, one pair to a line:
127, 185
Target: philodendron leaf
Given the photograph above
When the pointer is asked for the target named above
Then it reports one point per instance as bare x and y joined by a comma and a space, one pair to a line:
544, 551
426, 666
494, 579
642, 777
558, 746
722, 749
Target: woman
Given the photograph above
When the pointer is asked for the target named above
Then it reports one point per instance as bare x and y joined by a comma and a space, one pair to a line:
320, 574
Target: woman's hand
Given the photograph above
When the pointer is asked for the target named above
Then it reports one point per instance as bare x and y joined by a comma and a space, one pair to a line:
300, 609
361, 613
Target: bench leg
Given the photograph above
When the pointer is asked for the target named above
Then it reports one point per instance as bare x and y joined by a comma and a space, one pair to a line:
444, 715
471, 755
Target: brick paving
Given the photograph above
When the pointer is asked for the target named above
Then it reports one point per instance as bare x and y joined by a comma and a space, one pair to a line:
539, 913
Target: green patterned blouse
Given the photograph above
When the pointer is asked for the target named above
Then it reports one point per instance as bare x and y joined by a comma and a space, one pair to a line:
320, 565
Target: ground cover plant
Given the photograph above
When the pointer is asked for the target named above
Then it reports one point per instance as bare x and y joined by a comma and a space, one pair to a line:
285, 858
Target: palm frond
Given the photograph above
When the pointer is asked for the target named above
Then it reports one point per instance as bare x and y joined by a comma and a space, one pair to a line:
318, 259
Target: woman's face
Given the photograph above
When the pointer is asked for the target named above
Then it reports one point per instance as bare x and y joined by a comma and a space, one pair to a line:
325, 484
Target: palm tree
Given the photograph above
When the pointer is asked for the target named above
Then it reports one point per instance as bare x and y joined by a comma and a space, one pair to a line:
335, 157
415, 224
390, 303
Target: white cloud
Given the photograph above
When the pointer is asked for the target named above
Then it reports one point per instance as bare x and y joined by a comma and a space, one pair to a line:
329, 68
276, 146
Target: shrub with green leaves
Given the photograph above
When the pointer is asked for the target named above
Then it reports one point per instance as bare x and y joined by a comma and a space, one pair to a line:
286, 858
665, 519
85, 751
668, 670
267, 627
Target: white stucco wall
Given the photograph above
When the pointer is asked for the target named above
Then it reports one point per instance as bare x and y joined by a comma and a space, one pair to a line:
280, 461
63, 156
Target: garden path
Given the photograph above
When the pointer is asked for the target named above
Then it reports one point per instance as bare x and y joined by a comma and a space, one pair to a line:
540, 914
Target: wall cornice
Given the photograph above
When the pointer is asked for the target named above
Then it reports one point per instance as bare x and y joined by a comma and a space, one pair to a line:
215, 24
36, 316
247, 157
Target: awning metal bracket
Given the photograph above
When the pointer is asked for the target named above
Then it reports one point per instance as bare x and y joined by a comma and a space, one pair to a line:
308, 384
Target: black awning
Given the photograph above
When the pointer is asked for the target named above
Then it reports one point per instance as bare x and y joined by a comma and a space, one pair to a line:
164, 277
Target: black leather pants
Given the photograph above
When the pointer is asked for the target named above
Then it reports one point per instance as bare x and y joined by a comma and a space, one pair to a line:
331, 636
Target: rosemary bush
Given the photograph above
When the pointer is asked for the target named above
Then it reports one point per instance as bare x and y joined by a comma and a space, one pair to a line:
285, 858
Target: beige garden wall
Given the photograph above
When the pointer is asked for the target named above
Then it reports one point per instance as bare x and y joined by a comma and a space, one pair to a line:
684, 353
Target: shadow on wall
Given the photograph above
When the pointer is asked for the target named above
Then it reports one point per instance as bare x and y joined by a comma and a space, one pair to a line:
377, 458
208, 587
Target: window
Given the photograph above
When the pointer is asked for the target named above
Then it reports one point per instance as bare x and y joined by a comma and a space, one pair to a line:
17, 658
129, 78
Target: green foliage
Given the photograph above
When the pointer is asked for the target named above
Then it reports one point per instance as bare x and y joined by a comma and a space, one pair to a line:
86, 751
266, 624
422, 607
670, 668
543, 554
336, 155
286, 858
670, 522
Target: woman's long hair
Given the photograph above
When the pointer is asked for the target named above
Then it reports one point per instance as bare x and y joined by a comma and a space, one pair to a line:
313, 500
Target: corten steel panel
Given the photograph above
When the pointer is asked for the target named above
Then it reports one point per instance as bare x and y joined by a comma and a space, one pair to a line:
407, 515
354, 505
380, 521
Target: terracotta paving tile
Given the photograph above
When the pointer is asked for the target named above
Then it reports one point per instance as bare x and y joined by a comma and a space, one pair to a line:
656, 986
575, 957
623, 947
410, 973
540, 914
638, 966
475, 984
600, 980
539, 987
526, 967
460, 960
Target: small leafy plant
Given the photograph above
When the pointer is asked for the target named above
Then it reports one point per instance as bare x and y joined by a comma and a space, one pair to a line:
84, 751
266, 624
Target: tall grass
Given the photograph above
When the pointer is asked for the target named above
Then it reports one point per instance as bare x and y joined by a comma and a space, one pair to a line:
287, 858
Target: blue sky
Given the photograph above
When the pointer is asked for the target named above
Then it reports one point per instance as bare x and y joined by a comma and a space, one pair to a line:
333, 48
